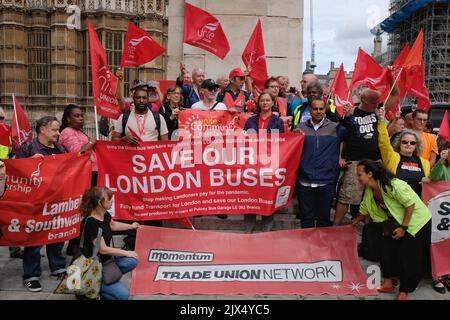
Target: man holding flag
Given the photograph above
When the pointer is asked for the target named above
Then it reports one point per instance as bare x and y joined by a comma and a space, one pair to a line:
364, 146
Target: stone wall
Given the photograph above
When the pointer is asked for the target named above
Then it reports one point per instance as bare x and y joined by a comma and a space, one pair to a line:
282, 24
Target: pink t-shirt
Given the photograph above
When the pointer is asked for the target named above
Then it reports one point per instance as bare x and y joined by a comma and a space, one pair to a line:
73, 140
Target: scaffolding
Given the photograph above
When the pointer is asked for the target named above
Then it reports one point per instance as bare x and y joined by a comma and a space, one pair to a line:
434, 19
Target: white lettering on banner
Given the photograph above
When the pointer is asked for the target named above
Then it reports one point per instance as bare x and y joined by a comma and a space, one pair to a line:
440, 208
176, 181
61, 207
56, 223
179, 256
323, 271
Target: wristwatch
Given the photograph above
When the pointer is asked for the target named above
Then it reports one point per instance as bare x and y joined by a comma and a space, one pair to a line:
404, 227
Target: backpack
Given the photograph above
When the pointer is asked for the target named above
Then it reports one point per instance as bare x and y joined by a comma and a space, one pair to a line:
126, 115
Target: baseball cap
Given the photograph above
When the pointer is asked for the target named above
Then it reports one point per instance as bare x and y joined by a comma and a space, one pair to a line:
153, 84
237, 73
209, 84
139, 84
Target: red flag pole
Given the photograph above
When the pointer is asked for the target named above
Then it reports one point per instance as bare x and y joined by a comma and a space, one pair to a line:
17, 120
392, 88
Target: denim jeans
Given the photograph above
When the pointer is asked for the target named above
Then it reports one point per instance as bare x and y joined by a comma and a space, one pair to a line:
315, 205
117, 290
32, 261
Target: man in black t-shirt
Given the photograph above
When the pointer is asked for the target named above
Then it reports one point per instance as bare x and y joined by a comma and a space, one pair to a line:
363, 147
47, 129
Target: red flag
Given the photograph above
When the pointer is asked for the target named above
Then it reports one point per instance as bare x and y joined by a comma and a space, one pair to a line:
203, 30
21, 129
368, 72
5, 132
414, 58
400, 61
254, 58
444, 130
398, 65
340, 89
139, 48
104, 82
412, 79
415, 86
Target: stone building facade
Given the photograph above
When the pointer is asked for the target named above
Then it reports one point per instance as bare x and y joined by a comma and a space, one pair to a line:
44, 57
282, 24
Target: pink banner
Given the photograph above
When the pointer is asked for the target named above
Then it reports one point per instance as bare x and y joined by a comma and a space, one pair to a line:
436, 196
314, 261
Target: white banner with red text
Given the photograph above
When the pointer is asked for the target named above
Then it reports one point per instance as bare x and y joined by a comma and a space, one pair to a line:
170, 180
185, 262
40, 205
436, 196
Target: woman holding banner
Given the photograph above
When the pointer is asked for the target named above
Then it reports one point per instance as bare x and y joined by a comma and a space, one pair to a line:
406, 224
96, 203
74, 139
264, 120
441, 172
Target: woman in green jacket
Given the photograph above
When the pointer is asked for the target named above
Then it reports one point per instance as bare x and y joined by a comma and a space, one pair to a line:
405, 249
441, 172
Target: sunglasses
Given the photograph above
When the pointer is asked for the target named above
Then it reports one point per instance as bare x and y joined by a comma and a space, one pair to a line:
413, 143
2, 118
212, 89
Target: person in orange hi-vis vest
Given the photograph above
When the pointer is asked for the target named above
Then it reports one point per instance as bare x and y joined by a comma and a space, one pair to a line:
233, 96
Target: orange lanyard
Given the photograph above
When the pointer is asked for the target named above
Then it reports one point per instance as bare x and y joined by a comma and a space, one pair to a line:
141, 129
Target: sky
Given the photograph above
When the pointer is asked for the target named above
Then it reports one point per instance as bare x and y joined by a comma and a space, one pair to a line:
340, 28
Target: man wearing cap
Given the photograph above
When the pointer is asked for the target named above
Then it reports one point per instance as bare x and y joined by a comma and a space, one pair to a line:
155, 95
357, 148
233, 96
208, 91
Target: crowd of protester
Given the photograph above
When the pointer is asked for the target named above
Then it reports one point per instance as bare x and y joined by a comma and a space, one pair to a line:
368, 165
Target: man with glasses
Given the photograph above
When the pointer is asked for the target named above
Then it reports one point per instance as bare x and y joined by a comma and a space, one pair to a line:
429, 141
357, 148
208, 90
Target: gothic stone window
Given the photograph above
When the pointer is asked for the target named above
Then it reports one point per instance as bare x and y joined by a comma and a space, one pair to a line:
39, 63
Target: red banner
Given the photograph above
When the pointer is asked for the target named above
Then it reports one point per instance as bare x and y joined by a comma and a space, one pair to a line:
254, 58
170, 180
174, 261
104, 82
207, 121
139, 48
20, 126
437, 197
203, 30
40, 205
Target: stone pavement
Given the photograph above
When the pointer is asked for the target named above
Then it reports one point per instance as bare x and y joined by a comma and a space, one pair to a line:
11, 287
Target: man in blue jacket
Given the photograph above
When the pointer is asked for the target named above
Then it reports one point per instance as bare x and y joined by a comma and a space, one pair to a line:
191, 91
319, 167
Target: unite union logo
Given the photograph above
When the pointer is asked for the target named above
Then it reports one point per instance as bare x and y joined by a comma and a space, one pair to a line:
207, 32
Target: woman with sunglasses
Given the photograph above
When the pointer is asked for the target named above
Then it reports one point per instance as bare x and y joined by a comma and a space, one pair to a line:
402, 158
